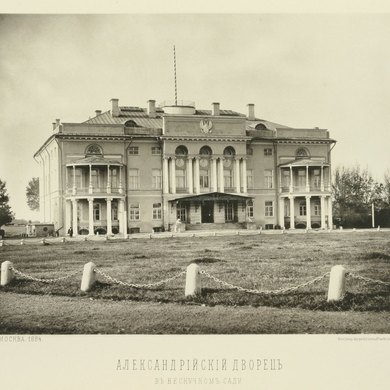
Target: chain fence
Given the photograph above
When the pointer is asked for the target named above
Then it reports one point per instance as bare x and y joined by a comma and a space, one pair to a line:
29, 277
135, 285
366, 279
264, 292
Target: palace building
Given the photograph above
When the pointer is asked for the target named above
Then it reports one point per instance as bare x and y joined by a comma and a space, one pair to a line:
132, 169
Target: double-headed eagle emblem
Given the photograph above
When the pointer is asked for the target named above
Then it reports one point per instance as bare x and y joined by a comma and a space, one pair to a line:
206, 125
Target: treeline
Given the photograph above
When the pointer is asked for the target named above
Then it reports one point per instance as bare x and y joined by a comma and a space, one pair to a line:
354, 192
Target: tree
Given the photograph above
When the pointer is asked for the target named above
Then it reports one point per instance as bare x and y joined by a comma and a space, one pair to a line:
32, 194
6, 214
354, 190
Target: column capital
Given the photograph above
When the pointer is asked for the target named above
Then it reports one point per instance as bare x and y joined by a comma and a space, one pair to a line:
190, 157
291, 197
90, 199
197, 158
308, 197
109, 199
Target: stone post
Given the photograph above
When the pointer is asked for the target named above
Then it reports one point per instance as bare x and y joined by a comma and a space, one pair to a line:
193, 281
6, 273
89, 277
336, 289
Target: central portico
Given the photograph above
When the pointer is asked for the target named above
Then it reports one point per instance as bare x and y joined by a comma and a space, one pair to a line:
211, 208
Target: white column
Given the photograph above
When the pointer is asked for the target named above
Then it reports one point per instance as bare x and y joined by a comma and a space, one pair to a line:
322, 179
221, 178
173, 175
190, 180
109, 222
120, 215
280, 180
323, 225
196, 177
292, 213
108, 180
308, 213
243, 177
330, 213
90, 216
120, 189
281, 212
68, 215
307, 179
74, 180
214, 179
165, 176
90, 179
74, 217
124, 221
237, 176
291, 180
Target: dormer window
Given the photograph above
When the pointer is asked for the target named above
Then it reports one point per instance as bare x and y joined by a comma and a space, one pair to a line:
94, 150
130, 124
261, 126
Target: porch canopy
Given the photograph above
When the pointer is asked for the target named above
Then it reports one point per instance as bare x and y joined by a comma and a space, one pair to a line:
94, 160
303, 162
211, 196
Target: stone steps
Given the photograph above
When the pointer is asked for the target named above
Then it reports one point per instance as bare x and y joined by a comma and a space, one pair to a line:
215, 226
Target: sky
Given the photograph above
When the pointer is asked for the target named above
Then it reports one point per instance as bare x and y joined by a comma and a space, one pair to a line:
301, 70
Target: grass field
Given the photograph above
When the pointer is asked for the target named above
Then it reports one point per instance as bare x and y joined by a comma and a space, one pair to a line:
265, 262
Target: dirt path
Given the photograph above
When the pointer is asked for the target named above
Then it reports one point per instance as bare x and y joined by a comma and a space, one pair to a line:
57, 314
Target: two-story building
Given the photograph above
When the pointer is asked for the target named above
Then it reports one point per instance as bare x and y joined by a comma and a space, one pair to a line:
134, 169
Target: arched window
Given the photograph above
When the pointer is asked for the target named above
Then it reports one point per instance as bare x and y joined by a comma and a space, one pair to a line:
181, 151
229, 151
94, 150
261, 126
205, 151
301, 153
130, 124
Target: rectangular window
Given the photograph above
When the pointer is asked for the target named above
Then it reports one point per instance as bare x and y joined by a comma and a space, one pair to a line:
317, 209
229, 212
228, 178
156, 151
156, 210
78, 178
180, 178
302, 209
96, 178
250, 209
268, 178
156, 179
204, 178
316, 178
181, 212
268, 152
285, 178
134, 212
96, 212
114, 211
269, 209
301, 178
249, 178
134, 150
114, 178
133, 179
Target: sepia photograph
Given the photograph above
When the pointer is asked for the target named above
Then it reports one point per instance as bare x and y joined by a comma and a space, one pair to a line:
195, 200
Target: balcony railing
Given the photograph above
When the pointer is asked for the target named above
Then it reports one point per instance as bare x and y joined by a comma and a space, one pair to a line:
95, 191
312, 188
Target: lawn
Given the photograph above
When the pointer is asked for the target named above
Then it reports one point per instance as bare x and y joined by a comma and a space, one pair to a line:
262, 262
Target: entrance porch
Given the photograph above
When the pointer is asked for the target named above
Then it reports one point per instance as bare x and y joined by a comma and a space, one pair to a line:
213, 210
